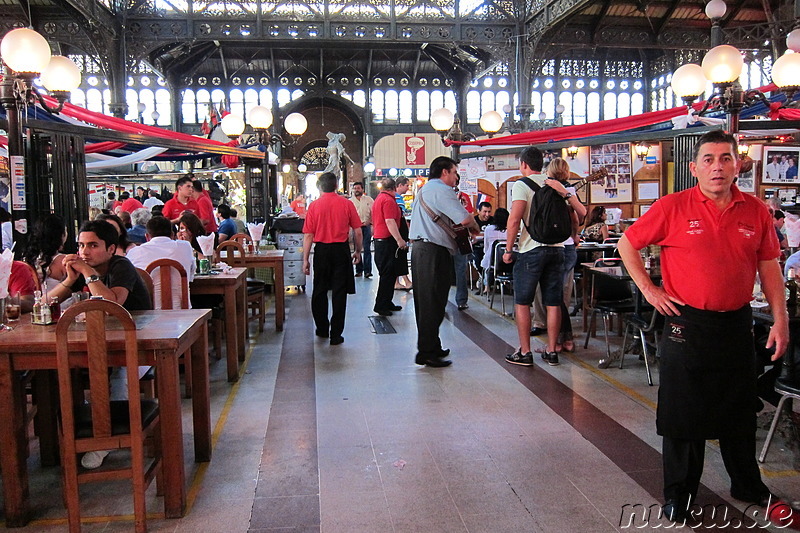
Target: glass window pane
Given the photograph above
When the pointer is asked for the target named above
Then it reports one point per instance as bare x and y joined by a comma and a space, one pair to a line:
501, 101
609, 106
265, 98
473, 107
549, 104
250, 100
188, 107
377, 106
106, 101
423, 107
579, 108
624, 105
391, 111
297, 94
78, 98
94, 101
132, 99
565, 99
593, 107
236, 102
437, 101
637, 104
360, 98
284, 97
450, 100
163, 106
487, 102
406, 107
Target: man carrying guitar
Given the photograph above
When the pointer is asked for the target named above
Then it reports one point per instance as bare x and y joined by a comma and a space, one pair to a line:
432, 259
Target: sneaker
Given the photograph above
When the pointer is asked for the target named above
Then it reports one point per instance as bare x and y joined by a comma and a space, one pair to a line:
461, 307
518, 358
551, 358
358, 274
92, 460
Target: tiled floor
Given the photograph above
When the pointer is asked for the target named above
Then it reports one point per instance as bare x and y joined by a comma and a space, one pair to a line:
357, 438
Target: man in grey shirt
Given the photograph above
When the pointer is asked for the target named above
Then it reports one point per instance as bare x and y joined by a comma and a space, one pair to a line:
432, 257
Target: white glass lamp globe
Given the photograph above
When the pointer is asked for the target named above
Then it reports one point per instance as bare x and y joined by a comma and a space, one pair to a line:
156, 115
302, 167
141, 107
393, 172
507, 109
295, 124
369, 167
259, 117
407, 172
542, 115
559, 109
491, 122
442, 119
786, 70
793, 40
723, 64
25, 51
689, 80
286, 168
232, 125
716, 9
61, 74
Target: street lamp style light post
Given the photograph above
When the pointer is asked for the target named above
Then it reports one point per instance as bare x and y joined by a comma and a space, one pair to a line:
722, 66
25, 56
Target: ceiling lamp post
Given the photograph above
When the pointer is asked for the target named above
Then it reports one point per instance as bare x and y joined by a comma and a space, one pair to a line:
25, 56
722, 66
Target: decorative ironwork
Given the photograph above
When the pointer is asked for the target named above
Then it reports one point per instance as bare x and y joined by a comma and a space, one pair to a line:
315, 159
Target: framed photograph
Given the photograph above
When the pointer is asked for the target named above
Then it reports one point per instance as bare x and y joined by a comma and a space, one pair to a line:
787, 195
647, 190
747, 181
643, 208
617, 187
779, 164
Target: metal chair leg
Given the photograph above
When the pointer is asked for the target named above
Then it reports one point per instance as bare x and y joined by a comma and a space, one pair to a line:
646, 358
772, 427
605, 333
592, 318
624, 342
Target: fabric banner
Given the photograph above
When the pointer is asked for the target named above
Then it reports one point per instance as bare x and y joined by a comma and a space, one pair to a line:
415, 150
129, 159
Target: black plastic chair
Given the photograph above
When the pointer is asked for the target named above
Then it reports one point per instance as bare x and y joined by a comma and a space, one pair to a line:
608, 297
644, 326
502, 274
788, 386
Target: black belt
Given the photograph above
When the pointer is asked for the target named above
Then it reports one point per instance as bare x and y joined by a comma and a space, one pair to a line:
384, 239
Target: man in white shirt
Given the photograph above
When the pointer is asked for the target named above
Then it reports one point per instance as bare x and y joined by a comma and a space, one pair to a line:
160, 245
152, 201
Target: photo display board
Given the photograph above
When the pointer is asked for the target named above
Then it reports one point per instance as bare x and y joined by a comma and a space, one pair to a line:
617, 187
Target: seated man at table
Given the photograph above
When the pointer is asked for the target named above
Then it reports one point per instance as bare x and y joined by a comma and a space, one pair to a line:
227, 227
97, 268
160, 245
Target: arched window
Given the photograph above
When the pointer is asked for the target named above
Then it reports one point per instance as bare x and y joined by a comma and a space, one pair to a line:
450, 100
565, 99
360, 98
536, 102
593, 107
623, 105
250, 100
78, 98
377, 106
148, 98
637, 104
132, 100
501, 101
423, 106
284, 97
203, 98
487, 102
670, 97
437, 101
297, 94
473, 107
106, 101
236, 102
406, 107
164, 107
391, 110
579, 108
189, 107
609, 106
265, 98
662, 103
549, 104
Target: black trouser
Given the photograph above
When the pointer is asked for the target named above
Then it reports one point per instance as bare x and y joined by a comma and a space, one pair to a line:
431, 266
332, 267
683, 467
385, 262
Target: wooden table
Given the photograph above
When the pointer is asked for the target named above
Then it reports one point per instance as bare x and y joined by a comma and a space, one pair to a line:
232, 286
162, 337
273, 259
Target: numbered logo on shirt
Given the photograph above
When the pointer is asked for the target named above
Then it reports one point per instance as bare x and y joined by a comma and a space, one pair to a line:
676, 332
695, 227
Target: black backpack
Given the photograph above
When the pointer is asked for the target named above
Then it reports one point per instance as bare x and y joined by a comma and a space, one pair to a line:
549, 221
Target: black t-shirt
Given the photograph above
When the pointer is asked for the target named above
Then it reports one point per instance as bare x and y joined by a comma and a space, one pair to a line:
122, 273
483, 223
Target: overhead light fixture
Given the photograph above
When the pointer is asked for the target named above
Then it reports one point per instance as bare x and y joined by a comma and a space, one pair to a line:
641, 150
744, 150
572, 151
260, 119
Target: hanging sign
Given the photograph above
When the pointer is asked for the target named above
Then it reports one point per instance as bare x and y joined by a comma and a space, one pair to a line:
18, 199
415, 151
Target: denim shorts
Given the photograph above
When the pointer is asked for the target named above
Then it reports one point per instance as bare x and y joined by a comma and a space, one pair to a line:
543, 265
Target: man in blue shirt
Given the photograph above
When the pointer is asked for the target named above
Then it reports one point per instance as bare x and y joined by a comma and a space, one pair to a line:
227, 227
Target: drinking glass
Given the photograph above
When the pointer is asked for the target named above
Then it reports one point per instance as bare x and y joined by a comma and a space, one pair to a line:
13, 307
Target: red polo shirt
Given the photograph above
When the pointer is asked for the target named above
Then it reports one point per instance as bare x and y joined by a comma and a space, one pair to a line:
708, 257
385, 207
205, 211
131, 204
174, 208
330, 218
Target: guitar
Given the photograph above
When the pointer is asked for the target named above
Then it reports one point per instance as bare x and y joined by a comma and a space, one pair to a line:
600, 173
462, 238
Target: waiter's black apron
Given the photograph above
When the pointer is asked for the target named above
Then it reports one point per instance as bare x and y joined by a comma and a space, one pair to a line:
708, 376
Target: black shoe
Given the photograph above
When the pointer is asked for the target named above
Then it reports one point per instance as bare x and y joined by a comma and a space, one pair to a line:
395, 307
358, 274
338, 339
551, 358
444, 352
383, 312
367, 276
519, 358
321, 334
674, 511
435, 362
535, 332
463, 306
763, 500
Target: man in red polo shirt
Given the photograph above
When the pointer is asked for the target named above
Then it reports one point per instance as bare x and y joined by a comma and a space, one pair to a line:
327, 225
181, 201
707, 368
205, 209
129, 203
386, 217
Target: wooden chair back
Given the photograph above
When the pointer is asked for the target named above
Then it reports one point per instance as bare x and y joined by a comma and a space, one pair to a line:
241, 238
148, 282
32, 271
231, 252
166, 269
102, 431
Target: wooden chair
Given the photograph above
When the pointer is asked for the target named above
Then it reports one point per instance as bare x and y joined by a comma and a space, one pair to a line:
232, 253
147, 374
103, 424
163, 299
148, 282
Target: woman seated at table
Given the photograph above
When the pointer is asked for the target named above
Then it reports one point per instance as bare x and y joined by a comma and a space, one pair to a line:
596, 229
189, 228
124, 244
492, 233
43, 252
